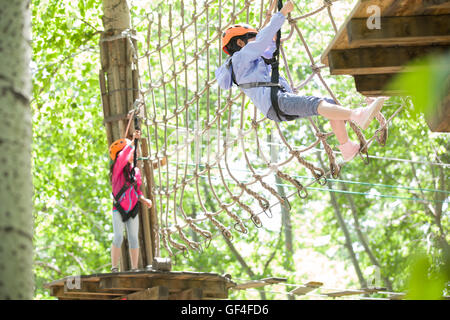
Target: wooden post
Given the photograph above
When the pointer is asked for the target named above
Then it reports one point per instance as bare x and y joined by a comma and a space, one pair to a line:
119, 85
438, 118
153, 222
155, 293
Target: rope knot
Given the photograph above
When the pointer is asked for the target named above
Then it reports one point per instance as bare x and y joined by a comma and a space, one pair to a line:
315, 69
327, 3
273, 168
295, 153
320, 135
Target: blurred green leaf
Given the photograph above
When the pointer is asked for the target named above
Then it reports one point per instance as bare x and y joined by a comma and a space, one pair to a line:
425, 284
427, 82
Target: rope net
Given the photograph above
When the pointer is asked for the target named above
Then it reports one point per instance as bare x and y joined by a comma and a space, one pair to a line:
221, 157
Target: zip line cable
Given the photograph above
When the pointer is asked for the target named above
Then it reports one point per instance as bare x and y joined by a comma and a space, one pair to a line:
338, 180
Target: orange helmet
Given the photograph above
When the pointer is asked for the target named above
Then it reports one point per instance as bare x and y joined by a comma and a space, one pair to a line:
233, 31
117, 146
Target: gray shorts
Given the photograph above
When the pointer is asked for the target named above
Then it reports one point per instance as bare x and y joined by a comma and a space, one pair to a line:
132, 225
299, 106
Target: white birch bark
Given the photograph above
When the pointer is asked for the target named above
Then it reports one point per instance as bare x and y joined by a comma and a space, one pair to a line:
116, 15
16, 190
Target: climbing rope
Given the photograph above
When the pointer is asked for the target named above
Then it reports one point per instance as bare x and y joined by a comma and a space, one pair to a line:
189, 120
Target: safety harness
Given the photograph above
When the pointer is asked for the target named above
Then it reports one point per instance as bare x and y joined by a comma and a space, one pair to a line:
133, 212
274, 83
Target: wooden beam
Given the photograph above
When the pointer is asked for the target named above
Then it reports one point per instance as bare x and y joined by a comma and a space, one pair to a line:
155, 293
360, 10
378, 60
438, 119
417, 30
188, 294
251, 284
259, 283
350, 292
59, 293
308, 287
373, 85
217, 289
344, 293
274, 280
417, 7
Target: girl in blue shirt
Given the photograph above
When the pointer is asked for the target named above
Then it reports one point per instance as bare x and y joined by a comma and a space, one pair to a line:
249, 50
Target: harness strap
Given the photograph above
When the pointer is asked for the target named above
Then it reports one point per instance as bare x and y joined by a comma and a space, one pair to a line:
125, 215
250, 85
274, 84
275, 78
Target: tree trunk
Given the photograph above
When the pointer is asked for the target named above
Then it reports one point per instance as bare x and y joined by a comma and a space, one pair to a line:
233, 249
285, 214
16, 191
348, 240
362, 238
116, 15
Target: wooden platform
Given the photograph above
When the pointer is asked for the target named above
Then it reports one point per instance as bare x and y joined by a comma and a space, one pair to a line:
408, 29
142, 285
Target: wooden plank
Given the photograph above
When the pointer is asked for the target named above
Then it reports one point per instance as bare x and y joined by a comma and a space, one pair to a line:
259, 283
217, 289
387, 8
90, 288
188, 294
373, 85
308, 287
438, 119
58, 292
155, 293
251, 284
274, 280
417, 7
378, 60
344, 293
416, 30
360, 10
353, 292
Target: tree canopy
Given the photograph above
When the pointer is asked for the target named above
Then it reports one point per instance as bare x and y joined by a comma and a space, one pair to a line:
376, 218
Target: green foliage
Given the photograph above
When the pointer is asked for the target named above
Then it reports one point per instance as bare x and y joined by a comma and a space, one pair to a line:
428, 83
395, 207
426, 284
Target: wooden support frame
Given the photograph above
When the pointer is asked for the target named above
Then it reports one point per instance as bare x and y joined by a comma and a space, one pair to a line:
438, 119
379, 60
411, 30
188, 294
372, 85
155, 293
212, 289
143, 285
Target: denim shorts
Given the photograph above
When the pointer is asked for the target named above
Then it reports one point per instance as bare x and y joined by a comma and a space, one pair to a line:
295, 105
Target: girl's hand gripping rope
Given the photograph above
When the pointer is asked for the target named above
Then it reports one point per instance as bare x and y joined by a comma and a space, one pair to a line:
287, 8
